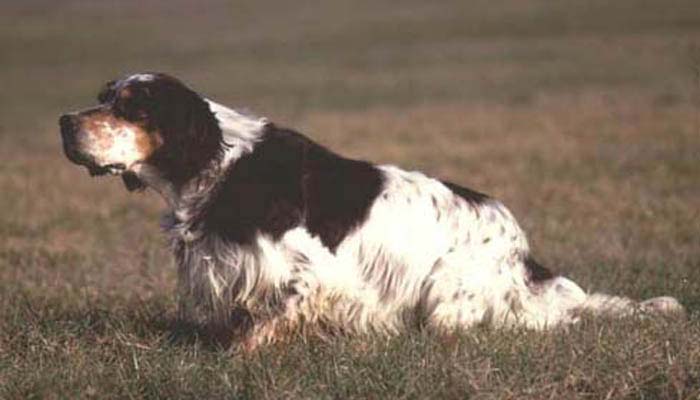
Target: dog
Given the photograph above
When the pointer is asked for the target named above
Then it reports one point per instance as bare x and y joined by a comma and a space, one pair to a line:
262, 219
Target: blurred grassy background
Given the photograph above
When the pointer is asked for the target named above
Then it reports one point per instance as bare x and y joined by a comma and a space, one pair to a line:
583, 116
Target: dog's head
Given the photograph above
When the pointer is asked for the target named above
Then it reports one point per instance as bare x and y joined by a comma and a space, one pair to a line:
143, 120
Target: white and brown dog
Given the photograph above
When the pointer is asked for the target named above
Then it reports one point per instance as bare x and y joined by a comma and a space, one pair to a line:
265, 220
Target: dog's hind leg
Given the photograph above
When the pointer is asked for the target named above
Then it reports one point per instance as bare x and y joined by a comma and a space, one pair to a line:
560, 301
602, 304
458, 293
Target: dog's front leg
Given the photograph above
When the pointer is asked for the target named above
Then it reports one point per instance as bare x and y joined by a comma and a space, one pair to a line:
265, 332
293, 308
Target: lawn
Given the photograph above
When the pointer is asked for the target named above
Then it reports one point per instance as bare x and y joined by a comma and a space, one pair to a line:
582, 116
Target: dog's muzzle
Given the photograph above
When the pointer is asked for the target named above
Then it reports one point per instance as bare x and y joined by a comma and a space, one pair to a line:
69, 129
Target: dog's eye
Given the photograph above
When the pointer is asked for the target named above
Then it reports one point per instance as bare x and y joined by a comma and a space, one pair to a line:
131, 110
136, 106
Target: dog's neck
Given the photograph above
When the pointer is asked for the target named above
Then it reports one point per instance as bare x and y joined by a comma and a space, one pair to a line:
240, 132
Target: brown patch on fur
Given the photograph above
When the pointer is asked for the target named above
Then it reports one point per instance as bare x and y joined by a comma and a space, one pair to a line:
101, 124
148, 143
275, 330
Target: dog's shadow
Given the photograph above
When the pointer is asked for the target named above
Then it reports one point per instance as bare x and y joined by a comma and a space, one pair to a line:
213, 336
141, 323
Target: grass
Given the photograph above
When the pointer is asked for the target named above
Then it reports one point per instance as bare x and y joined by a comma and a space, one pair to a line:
584, 117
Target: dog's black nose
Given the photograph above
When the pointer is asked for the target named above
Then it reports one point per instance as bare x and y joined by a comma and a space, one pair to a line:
68, 123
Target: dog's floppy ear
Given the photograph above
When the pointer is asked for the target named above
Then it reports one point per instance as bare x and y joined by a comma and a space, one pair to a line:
190, 131
132, 182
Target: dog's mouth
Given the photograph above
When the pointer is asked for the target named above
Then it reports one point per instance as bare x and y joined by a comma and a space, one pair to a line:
111, 169
88, 162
